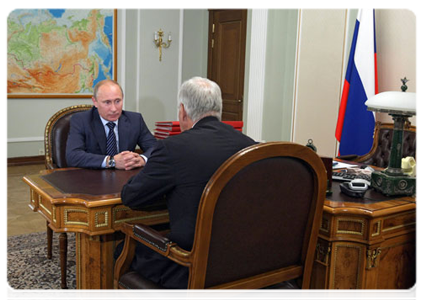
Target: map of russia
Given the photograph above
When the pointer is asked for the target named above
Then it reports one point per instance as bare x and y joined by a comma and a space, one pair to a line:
59, 51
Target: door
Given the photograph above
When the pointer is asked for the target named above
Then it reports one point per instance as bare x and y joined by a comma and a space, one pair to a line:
226, 58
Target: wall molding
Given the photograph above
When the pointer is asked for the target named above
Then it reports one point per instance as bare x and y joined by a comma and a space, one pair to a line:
26, 139
138, 63
180, 56
256, 77
26, 160
296, 76
121, 49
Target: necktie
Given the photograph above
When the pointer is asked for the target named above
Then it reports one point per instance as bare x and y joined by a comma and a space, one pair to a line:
111, 148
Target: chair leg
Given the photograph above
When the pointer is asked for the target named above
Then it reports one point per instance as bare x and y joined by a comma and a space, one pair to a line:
49, 241
63, 239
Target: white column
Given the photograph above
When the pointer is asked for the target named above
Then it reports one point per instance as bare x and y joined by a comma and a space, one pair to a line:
138, 63
256, 77
121, 36
181, 48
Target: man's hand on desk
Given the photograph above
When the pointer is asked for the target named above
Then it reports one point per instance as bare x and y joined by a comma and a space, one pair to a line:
128, 160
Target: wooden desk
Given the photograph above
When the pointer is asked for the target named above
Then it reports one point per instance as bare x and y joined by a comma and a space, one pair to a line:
88, 203
363, 243
366, 243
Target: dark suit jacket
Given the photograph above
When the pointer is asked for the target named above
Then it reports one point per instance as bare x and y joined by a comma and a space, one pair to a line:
180, 167
86, 145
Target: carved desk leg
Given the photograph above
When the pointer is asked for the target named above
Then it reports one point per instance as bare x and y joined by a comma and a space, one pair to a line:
418, 279
320, 273
63, 239
49, 242
94, 264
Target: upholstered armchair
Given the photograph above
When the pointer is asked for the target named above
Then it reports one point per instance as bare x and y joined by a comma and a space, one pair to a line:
55, 138
257, 223
381, 148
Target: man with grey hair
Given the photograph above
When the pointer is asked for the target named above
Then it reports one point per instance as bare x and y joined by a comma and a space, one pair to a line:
179, 168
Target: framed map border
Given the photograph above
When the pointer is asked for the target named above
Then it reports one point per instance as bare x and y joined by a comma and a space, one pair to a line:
73, 95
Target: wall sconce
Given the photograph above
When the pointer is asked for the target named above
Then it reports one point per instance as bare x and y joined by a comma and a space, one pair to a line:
158, 41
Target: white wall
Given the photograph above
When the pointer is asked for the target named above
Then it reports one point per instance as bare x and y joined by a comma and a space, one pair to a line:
26, 121
195, 43
280, 74
319, 78
158, 80
396, 52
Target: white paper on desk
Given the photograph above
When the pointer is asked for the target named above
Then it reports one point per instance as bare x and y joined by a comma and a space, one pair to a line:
341, 165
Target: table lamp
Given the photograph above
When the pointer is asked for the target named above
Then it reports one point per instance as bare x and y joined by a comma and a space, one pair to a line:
400, 105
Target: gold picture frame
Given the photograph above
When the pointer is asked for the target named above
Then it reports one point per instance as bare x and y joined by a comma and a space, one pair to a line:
58, 53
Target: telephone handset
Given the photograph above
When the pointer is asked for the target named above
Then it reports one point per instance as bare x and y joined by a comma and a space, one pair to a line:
408, 166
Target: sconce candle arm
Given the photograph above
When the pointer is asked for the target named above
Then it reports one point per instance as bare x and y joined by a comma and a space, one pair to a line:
158, 41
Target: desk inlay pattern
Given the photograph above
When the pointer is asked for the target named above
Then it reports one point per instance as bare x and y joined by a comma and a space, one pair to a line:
376, 228
101, 219
347, 264
122, 214
45, 209
76, 217
399, 222
353, 226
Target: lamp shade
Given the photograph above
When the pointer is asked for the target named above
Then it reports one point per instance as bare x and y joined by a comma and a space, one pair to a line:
393, 102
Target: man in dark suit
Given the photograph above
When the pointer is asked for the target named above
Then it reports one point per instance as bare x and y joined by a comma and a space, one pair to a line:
179, 168
106, 136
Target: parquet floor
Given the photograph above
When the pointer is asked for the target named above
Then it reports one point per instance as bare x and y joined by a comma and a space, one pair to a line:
20, 218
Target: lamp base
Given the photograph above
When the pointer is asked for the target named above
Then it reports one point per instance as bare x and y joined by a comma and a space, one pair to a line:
398, 185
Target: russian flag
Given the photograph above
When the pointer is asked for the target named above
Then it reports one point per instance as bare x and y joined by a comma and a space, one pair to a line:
355, 126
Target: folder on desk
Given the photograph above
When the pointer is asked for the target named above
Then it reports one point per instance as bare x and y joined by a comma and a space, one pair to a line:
342, 165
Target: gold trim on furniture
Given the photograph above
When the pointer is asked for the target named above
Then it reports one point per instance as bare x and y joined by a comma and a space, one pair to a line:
45, 208
106, 219
413, 222
372, 255
399, 226
140, 218
377, 228
67, 222
32, 195
361, 222
48, 145
326, 223
54, 214
119, 209
322, 253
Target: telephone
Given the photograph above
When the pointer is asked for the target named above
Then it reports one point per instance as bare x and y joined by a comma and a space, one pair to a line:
408, 166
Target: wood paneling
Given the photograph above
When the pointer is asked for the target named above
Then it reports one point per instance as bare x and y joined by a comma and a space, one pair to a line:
226, 60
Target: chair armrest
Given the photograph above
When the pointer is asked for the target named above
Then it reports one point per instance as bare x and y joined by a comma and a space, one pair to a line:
348, 157
157, 242
123, 262
145, 234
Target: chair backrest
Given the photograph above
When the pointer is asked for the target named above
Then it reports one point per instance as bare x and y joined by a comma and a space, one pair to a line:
382, 142
259, 217
56, 135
